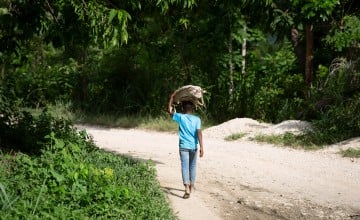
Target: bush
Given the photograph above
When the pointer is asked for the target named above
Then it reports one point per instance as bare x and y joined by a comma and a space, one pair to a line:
21, 131
337, 101
72, 179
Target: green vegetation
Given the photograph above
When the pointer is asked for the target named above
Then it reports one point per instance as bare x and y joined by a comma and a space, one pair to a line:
71, 180
234, 137
155, 123
248, 64
125, 59
115, 63
351, 152
288, 139
160, 123
65, 176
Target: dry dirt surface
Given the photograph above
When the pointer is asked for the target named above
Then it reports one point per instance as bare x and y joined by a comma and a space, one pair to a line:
243, 179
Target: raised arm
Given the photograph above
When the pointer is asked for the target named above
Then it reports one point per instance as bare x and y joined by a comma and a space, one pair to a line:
170, 107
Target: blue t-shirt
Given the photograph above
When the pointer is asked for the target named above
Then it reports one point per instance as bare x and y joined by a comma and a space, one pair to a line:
188, 126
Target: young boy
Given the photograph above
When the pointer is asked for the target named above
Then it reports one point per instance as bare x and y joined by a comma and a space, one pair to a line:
189, 136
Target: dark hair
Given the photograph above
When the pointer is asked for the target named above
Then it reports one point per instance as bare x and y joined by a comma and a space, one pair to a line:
187, 105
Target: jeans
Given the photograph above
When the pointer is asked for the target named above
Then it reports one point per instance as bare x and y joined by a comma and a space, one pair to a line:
188, 165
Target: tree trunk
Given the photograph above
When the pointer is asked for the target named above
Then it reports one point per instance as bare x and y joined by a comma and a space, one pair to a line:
231, 70
309, 54
298, 49
243, 53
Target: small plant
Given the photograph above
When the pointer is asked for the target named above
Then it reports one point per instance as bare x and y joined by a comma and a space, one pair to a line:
5, 199
234, 137
351, 152
288, 139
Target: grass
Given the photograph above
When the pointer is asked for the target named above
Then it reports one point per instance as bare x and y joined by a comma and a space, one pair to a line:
351, 152
107, 120
234, 137
288, 139
72, 179
162, 123
306, 142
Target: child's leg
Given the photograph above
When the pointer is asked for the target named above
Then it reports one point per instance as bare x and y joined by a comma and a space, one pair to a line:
184, 157
192, 167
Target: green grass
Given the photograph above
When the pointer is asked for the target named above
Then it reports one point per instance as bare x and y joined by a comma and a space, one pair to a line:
72, 179
288, 139
65, 176
107, 120
308, 141
234, 137
351, 152
159, 124
162, 123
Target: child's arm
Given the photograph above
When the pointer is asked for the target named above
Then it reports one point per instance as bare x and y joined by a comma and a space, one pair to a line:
200, 137
170, 107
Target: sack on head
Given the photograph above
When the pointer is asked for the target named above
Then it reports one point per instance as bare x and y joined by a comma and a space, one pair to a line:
194, 94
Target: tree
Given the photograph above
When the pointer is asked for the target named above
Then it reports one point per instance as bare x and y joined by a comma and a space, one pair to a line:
306, 16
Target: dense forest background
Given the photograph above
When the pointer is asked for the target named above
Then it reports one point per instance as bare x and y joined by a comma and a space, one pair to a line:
270, 60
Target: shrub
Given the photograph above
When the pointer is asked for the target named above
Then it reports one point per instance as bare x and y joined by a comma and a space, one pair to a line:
22, 131
72, 179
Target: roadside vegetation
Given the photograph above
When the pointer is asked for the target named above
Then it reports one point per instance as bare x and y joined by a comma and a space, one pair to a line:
234, 137
115, 65
351, 152
307, 141
290, 140
50, 170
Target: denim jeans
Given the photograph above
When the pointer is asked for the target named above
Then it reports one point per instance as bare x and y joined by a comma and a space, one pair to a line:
188, 165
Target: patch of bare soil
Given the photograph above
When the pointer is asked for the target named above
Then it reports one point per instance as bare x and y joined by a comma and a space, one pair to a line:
247, 180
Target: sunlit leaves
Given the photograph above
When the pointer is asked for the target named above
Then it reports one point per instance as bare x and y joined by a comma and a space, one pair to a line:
116, 28
164, 5
184, 22
347, 35
316, 8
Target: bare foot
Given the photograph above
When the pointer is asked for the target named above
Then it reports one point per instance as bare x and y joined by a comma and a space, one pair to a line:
192, 188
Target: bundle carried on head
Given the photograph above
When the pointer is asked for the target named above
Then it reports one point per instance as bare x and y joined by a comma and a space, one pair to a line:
190, 93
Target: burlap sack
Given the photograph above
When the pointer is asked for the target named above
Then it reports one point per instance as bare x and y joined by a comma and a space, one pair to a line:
192, 93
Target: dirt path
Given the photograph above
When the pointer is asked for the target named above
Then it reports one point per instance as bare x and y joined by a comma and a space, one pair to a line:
246, 180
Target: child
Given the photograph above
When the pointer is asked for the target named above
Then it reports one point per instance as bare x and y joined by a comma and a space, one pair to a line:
189, 136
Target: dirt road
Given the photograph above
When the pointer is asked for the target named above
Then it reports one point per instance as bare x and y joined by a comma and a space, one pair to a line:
246, 180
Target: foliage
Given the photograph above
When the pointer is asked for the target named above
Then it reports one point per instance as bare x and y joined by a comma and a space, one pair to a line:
316, 9
339, 122
40, 75
351, 152
337, 97
73, 179
125, 58
66, 175
276, 85
288, 139
235, 136
345, 36
160, 123
22, 131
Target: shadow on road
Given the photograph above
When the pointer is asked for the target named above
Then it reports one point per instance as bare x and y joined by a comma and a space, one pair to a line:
173, 191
